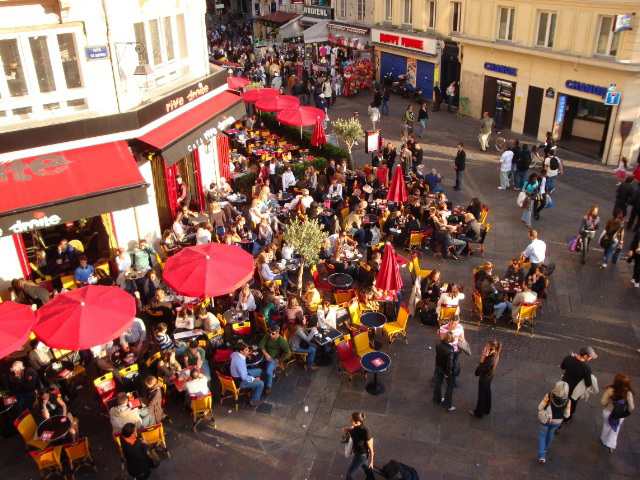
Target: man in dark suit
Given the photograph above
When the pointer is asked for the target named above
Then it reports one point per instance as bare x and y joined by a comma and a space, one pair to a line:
377, 98
459, 165
135, 453
418, 155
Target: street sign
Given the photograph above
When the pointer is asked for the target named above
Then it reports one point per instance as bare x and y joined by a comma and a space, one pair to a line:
612, 98
97, 52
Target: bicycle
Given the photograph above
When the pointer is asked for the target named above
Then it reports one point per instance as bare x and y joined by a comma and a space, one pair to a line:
499, 142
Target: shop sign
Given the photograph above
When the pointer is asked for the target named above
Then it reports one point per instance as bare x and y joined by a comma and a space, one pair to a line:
190, 96
623, 22
550, 93
501, 69
97, 52
210, 133
219, 6
562, 105
319, 12
612, 98
409, 42
586, 88
348, 28
40, 220
41, 167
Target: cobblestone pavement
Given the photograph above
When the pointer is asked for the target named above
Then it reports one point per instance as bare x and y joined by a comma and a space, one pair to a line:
296, 434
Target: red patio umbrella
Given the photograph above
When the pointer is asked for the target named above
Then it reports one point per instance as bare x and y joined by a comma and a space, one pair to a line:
16, 321
208, 270
252, 96
389, 277
86, 317
236, 83
275, 104
318, 138
397, 191
300, 117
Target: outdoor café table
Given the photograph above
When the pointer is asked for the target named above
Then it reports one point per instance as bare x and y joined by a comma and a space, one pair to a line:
60, 370
508, 287
290, 265
185, 334
247, 242
133, 274
283, 197
236, 198
322, 338
350, 254
233, 315
183, 377
373, 321
340, 280
255, 356
7, 401
375, 362
53, 428
122, 359
369, 220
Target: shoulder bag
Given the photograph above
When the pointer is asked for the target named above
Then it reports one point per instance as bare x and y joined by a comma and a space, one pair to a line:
545, 415
620, 409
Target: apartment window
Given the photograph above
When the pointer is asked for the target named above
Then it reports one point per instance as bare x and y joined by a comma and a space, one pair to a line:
42, 64
361, 9
69, 57
546, 32
456, 17
168, 38
505, 23
607, 39
182, 35
408, 12
13, 71
432, 14
138, 30
156, 49
388, 10
343, 8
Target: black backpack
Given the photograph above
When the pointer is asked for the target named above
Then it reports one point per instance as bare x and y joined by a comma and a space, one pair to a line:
620, 410
554, 164
525, 161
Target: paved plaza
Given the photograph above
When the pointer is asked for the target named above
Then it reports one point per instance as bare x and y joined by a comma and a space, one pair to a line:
295, 434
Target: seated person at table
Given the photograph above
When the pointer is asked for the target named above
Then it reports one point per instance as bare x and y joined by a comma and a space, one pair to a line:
311, 178
431, 287
65, 254
368, 293
432, 179
135, 453
232, 235
187, 222
160, 310
246, 377
52, 405
411, 226
492, 301
340, 175
241, 225
142, 255
471, 229
265, 232
207, 320
268, 274
246, 301
195, 356
180, 231
300, 334
288, 179
168, 366
326, 315
204, 233
475, 208
353, 226
164, 341
169, 244
134, 337
197, 386
255, 212
354, 200
375, 262
515, 271
450, 298
311, 297
241, 137
102, 354
269, 310
538, 281
152, 399
292, 309
335, 189
331, 170
217, 217
23, 383
39, 358
377, 159
393, 226
483, 277
148, 286
250, 122
185, 319
122, 414
29, 293
45, 267
84, 273
525, 296
416, 208
275, 349
443, 212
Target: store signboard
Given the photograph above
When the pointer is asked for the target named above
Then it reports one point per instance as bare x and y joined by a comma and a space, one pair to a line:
348, 28
319, 12
586, 88
428, 46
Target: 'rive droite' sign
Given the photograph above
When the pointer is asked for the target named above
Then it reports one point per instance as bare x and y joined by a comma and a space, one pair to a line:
410, 42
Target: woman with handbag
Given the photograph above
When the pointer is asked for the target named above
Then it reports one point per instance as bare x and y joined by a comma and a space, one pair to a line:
362, 446
485, 373
528, 191
612, 238
555, 406
617, 403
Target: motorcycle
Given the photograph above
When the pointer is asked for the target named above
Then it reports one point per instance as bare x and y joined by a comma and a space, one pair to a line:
398, 84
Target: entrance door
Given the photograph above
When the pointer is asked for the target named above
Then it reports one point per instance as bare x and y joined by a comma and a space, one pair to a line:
532, 115
505, 89
449, 71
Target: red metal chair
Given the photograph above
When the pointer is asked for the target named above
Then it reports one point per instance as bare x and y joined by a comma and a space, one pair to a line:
106, 388
349, 362
318, 282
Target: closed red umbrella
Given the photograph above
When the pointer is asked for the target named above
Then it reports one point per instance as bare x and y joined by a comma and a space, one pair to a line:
208, 270
274, 104
389, 277
397, 190
236, 83
252, 96
16, 321
86, 317
300, 117
318, 138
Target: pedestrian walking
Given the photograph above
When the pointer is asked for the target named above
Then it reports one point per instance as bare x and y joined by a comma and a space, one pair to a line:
517, 152
617, 403
634, 256
451, 93
374, 115
362, 446
423, 116
408, 115
587, 230
554, 167
445, 370
554, 407
540, 198
485, 130
621, 170
522, 167
327, 91
459, 164
529, 188
576, 371
505, 167
613, 238
485, 373
624, 193
634, 201
404, 130
386, 98
377, 97
437, 98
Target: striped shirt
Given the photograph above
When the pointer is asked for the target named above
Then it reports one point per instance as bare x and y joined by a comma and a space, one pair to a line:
164, 341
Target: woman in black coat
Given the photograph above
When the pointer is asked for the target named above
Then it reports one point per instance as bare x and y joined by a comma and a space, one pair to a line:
634, 256
485, 373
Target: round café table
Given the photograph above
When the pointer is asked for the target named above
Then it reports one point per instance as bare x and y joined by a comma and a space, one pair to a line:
122, 359
375, 362
60, 370
254, 358
373, 321
236, 198
369, 220
284, 197
340, 281
59, 425
233, 315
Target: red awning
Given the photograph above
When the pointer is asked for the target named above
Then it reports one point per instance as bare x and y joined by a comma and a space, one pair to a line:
180, 136
68, 185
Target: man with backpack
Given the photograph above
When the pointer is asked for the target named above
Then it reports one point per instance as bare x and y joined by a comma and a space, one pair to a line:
522, 167
515, 148
554, 166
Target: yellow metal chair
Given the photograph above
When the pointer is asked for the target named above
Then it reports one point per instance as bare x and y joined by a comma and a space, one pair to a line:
478, 309
419, 272
526, 313
48, 462
361, 341
77, 245
26, 426
228, 385
152, 360
261, 322
446, 312
344, 212
79, 456
343, 296
479, 245
68, 282
355, 313
415, 241
399, 327
40, 274
200, 407
154, 436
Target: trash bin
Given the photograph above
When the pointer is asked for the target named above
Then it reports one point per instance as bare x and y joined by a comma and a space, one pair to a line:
463, 106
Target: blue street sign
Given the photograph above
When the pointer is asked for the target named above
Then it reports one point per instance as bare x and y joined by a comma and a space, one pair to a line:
97, 52
612, 98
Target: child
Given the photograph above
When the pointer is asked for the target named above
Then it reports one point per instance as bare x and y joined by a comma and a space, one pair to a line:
621, 170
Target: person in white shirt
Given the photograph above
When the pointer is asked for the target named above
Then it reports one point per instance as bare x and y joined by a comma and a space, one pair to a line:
134, 337
204, 233
326, 315
241, 137
525, 296
123, 260
450, 298
535, 252
246, 302
335, 189
458, 334
288, 179
102, 354
505, 167
198, 386
550, 162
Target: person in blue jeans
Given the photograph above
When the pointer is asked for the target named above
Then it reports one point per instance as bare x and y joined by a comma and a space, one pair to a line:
614, 230
275, 349
362, 449
559, 403
246, 377
300, 334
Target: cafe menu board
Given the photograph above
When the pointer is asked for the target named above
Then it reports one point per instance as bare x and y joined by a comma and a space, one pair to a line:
372, 141
332, 139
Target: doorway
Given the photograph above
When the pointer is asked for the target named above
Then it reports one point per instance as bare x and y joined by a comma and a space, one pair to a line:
532, 114
494, 87
450, 68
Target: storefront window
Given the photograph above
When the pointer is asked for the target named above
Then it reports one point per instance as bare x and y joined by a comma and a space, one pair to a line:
607, 43
506, 22
546, 29
13, 71
590, 110
69, 56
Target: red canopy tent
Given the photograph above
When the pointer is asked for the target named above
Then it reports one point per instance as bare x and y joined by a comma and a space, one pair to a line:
389, 277
236, 83
397, 190
208, 270
318, 138
16, 321
275, 104
84, 318
300, 117
252, 96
